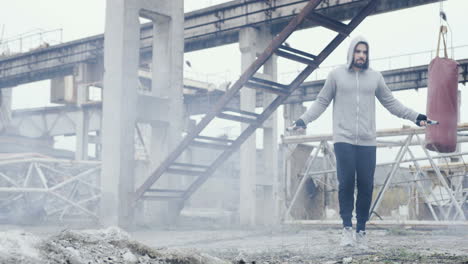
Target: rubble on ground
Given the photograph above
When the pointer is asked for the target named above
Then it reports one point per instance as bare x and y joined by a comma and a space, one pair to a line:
293, 245
302, 245
111, 245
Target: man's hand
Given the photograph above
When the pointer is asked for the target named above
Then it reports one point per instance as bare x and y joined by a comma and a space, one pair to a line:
297, 125
421, 120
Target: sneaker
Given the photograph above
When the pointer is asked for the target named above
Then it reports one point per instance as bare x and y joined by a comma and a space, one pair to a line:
347, 237
361, 240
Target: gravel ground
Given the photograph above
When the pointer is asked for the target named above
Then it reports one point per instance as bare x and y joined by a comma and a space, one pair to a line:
280, 246
111, 245
297, 245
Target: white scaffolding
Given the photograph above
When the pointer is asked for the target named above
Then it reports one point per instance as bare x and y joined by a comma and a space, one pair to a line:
35, 188
443, 174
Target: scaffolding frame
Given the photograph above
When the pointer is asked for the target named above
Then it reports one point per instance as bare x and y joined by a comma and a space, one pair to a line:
56, 189
450, 208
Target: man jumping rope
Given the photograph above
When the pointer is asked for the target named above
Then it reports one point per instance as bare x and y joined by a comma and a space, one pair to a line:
353, 88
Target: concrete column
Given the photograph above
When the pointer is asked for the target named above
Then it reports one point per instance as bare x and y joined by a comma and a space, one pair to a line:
5, 108
98, 146
82, 124
121, 58
167, 83
167, 71
248, 178
85, 74
82, 137
270, 138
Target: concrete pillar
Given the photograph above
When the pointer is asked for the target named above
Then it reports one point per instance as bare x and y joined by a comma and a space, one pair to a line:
121, 58
167, 74
82, 124
85, 74
82, 137
98, 145
270, 137
167, 83
247, 206
5, 108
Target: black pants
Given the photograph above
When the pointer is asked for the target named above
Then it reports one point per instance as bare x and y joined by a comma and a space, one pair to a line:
355, 164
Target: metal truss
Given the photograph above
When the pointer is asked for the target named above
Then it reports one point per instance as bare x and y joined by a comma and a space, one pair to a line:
54, 121
35, 188
448, 203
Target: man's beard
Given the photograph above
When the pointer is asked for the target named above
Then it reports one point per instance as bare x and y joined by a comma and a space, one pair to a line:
360, 65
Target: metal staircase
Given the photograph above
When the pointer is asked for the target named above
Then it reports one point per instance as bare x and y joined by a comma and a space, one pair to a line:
248, 79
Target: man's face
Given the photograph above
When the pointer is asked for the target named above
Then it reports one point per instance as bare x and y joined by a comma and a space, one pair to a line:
360, 55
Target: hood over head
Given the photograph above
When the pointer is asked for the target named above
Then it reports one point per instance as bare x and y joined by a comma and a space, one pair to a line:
354, 42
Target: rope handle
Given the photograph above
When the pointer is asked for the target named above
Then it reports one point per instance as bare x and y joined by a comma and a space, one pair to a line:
442, 32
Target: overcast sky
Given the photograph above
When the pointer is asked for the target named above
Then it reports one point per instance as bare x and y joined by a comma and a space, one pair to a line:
392, 34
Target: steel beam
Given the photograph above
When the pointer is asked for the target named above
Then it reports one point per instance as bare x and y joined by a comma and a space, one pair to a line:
381, 133
396, 80
205, 28
60, 120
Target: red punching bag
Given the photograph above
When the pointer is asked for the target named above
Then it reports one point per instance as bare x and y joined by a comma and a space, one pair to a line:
442, 101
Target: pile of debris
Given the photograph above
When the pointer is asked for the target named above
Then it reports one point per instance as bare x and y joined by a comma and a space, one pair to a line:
111, 245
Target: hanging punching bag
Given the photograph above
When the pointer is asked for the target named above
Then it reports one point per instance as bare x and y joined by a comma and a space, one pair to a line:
442, 101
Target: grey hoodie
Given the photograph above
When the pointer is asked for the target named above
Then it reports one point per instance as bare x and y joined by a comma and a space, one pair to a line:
353, 94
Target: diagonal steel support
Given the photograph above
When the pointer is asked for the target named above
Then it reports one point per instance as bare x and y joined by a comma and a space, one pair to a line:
461, 199
70, 197
8, 179
41, 176
442, 179
95, 197
302, 182
399, 158
74, 178
420, 187
74, 204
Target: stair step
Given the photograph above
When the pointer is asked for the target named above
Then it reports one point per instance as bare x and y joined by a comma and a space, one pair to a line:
269, 83
160, 197
329, 23
166, 194
229, 109
217, 139
166, 190
197, 143
294, 57
237, 118
185, 172
266, 88
188, 165
296, 51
